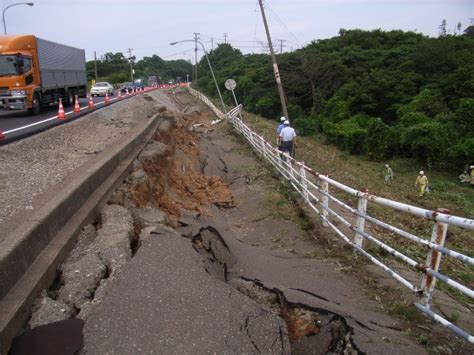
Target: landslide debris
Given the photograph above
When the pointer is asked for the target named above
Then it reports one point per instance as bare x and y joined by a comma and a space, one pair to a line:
166, 180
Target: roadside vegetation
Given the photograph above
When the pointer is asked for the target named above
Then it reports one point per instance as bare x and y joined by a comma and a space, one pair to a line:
115, 68
384, 95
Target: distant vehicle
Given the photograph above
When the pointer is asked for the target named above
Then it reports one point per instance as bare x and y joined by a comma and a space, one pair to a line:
101, 89
127, 86
35, 73
139, 83
154, 80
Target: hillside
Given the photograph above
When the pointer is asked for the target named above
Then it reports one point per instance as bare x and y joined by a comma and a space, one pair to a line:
376, 93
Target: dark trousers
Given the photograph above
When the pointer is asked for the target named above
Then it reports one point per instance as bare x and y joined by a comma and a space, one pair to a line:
287, 147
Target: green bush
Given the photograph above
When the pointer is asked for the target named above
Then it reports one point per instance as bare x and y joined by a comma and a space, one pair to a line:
427, 142
461, 153
348, 135
382, 140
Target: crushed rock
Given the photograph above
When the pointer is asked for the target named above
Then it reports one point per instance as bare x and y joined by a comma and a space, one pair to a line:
81, 278
46, 310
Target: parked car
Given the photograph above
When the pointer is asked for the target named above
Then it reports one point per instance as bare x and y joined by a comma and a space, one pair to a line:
126, 86
101, 89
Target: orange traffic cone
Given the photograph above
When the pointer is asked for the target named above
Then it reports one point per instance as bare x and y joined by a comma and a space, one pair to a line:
61, 114
90, 104
77, 108
107, 99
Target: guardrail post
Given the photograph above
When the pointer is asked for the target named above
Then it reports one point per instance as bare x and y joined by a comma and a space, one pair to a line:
325, 186
263, 147
433, 260
360, 221
290, 168
304, 183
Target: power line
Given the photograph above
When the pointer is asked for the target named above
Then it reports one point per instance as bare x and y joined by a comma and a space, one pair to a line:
284, 25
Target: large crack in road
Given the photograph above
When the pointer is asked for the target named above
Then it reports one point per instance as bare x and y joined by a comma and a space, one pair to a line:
180, 261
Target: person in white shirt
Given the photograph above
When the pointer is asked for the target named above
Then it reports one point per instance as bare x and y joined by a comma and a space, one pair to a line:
287, 138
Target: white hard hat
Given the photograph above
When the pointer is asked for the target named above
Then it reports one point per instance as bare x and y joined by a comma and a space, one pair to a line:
422, 172
286, 122
282, 118
386, 165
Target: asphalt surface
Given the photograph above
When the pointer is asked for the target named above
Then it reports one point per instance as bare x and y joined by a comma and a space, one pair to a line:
15, 125
165, 302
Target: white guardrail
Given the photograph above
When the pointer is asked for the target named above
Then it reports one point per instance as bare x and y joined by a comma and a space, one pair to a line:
314, 188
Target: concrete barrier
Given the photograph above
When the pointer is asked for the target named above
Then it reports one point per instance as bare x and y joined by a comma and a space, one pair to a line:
30, 257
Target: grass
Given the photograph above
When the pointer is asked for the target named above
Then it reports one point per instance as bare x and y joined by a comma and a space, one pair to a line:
360, 172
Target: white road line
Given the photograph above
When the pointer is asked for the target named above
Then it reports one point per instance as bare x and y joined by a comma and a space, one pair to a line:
54, 118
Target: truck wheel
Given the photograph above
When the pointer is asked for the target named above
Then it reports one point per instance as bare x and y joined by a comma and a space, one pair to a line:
36, 107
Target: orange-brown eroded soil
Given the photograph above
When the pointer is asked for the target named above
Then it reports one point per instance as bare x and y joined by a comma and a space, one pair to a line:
176, 180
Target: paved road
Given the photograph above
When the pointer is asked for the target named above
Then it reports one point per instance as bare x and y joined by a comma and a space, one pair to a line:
18, 124
165, 302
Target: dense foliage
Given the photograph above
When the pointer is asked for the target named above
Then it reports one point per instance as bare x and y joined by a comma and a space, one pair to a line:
382, 94
115, 68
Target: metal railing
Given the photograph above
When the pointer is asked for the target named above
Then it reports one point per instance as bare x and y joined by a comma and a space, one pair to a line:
349, 222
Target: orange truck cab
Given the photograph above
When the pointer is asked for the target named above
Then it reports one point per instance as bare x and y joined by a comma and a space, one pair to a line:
35, 73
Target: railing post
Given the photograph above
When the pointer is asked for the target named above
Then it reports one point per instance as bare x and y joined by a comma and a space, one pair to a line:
325, 186
438, 236
290, 168
360, 221
304, 183
262, 145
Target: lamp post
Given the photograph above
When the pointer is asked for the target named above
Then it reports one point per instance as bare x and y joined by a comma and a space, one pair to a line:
5, 9
210, 67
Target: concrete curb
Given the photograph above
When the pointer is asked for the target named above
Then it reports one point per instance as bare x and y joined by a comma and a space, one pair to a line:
28, 263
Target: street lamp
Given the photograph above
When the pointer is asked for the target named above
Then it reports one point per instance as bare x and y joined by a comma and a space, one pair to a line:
210, 67
5, 9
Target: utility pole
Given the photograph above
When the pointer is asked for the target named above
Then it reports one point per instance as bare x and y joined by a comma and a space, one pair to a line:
225, 37
281, 93
281, 45
196, 37
95, 65
130, 60
212, 43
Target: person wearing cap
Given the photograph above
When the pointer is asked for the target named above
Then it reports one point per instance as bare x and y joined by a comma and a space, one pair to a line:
279, 128
422, 181
287, 138
388, 174
281, 125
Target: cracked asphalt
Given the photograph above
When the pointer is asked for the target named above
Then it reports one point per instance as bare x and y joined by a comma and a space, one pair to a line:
165, 302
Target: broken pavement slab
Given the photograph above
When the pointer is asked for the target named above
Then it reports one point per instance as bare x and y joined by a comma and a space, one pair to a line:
165, 302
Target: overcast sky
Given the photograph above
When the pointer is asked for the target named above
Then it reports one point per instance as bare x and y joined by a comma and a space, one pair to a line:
148, 26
